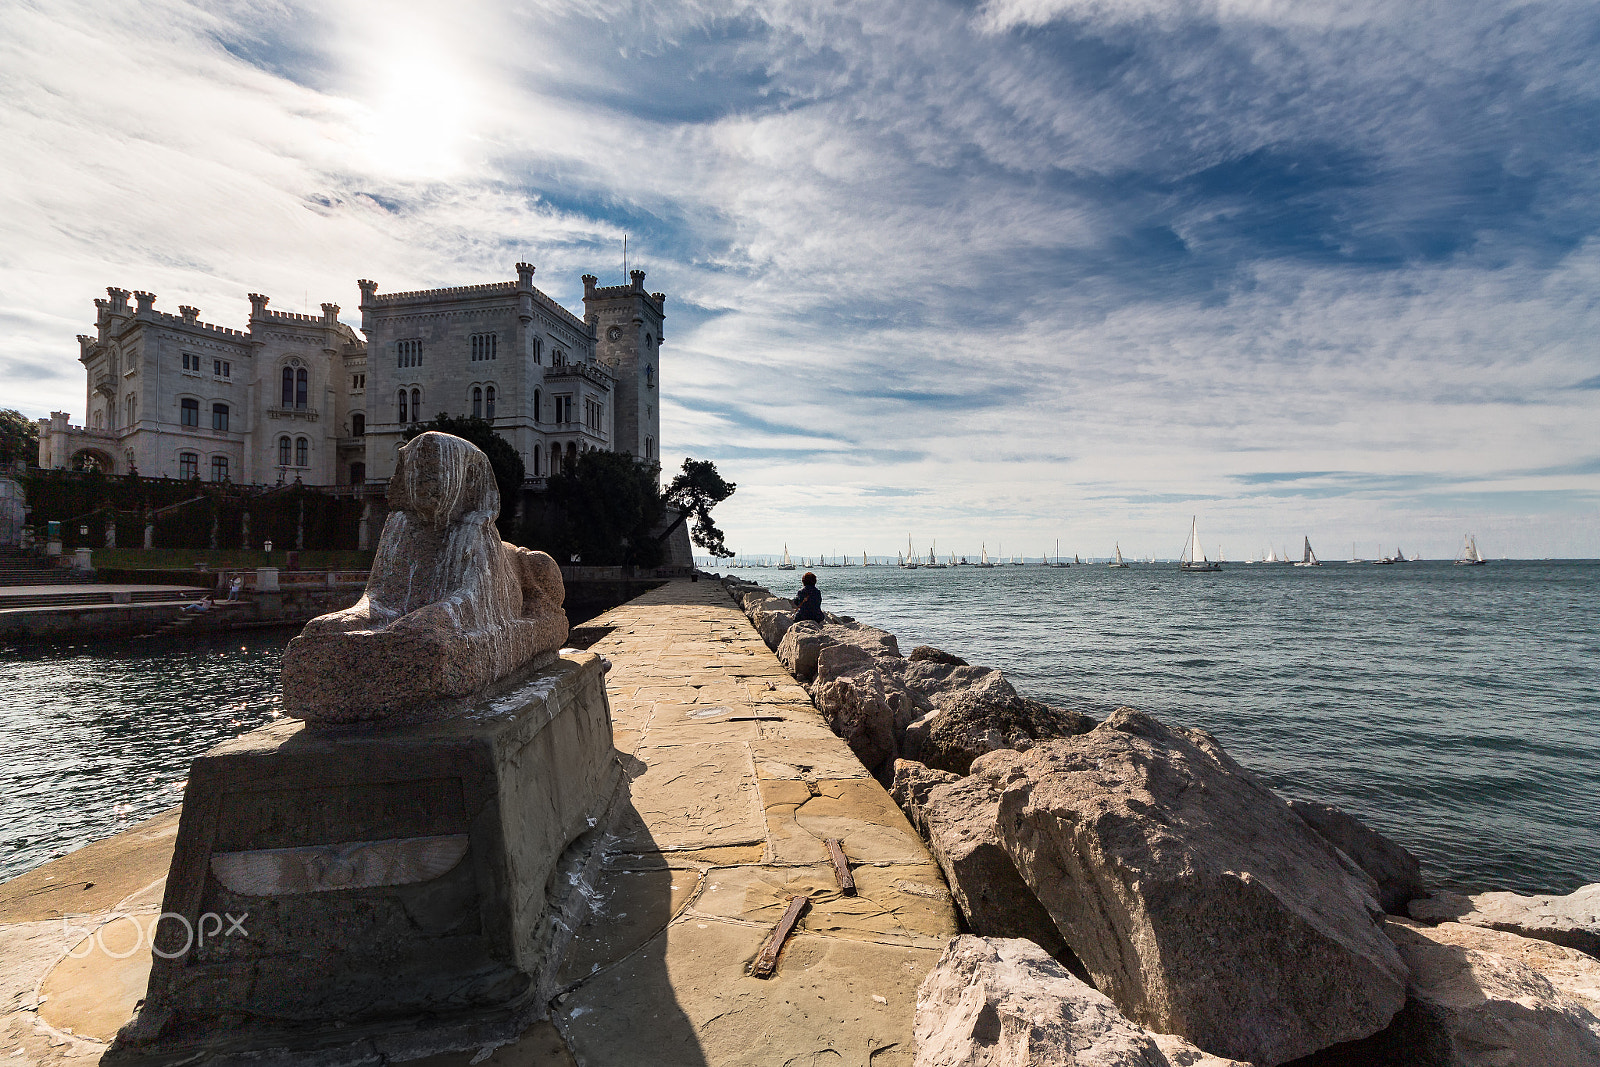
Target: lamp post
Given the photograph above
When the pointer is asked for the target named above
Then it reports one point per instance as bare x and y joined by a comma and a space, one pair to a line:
266, 546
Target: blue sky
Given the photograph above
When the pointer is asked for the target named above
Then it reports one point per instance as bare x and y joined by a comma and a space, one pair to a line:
998, 272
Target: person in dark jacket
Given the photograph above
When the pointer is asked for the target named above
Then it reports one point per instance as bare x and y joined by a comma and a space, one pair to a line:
808, 601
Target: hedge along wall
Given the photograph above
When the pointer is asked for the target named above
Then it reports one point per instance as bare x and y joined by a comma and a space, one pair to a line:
192, 514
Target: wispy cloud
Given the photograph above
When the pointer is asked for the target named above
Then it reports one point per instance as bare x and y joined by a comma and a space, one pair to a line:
1038, 267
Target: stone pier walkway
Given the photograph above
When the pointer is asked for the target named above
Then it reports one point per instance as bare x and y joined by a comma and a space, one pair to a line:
735, 783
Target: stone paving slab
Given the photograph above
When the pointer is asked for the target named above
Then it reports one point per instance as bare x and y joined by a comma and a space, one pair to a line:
734, 782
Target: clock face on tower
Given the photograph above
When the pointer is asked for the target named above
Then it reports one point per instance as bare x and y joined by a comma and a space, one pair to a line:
614, 333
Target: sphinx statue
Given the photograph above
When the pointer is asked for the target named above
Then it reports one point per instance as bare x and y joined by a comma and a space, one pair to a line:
449, 608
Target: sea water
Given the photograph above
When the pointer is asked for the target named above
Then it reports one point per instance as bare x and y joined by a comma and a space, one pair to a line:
1456, 709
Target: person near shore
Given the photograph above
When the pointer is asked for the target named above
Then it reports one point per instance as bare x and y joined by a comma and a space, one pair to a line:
808, 601
201, 605
234, 587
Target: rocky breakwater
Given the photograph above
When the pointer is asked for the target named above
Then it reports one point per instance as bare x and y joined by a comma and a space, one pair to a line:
1136, 896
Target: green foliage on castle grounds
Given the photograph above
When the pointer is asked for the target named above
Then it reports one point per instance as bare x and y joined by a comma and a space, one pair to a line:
607, 509
507, 464
603, 509
189, 514
19, 437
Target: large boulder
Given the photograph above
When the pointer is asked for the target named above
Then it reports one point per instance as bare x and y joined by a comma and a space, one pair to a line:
976, 710
1572, 920
1006, 1003
1196, 899
803, 643
959, 819
849, 692
911, 786
1396, 871
772, 618
1472, 1006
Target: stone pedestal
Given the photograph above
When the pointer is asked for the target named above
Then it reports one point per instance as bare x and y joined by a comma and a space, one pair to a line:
377, 890
266, 579
82, 559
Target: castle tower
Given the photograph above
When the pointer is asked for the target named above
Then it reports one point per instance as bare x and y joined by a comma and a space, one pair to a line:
627, 322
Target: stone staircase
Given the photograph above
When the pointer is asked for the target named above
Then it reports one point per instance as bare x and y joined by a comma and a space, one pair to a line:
93, 597
23, 568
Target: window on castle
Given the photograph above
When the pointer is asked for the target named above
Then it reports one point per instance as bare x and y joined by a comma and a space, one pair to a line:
358, 474
649, 448
283, 451
477, 402
358, 382
592, 410
191, 363
538, 350
190, 414
488, 403
300, 388
408, 353
188, 465
536, 455
647, 342
537, 397
99, 419
219, 468
563, 409
403, 418
131, 405
221, 368
219, 416
649, 376
416, 404
358, 425
485, 346
288, 387
302, 452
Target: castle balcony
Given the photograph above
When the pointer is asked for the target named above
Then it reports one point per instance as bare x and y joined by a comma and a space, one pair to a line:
536, 485
580, 371
309, 414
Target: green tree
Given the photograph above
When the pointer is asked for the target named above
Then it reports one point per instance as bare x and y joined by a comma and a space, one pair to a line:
603, 509
507, 464
19, 437
694, 492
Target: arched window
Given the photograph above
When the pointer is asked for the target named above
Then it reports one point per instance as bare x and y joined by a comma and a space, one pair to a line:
650, 375
283, 451
488, 409
555, 459
537, 454
288, 387
219, 419
403, 418
358, 474
477, 402
537, 398
647, 342
416, 404
572, 453
302, 452
358, 425
300, 388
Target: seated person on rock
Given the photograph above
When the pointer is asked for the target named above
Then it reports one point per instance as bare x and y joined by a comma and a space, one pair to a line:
808, 601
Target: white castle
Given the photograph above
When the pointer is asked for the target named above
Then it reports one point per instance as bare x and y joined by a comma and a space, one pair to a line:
303, 397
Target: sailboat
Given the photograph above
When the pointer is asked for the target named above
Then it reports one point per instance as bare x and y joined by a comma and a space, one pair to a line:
910, 563
1059, 562
1470, 556
1118, 561
786, 564
1194, 557
983, 556
864, 562
933, 561
1309, 558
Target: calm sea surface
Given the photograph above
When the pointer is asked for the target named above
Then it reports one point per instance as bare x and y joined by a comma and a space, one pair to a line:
1456, 709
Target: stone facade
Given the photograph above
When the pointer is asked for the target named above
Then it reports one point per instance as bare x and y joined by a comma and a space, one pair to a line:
305, 397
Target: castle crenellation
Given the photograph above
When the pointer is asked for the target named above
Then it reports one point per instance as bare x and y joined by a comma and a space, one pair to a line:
301, 397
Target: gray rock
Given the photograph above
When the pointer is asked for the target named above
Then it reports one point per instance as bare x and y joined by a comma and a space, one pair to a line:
975, 710
1572, 920
912, 783
850, 694
960, 821
1470, 1007
803, 643
1196, 899
1397, 872
1006, 1003
772, 619
929, 654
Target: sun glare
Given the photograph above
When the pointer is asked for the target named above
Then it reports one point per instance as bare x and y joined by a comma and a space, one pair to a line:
420, 116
